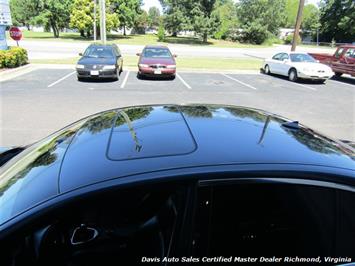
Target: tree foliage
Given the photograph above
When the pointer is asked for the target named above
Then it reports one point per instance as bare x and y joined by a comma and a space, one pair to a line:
260, 18
338, 20
227, 13
177, 15
82, 17
127, 12
23, 11
204, 20
153, 17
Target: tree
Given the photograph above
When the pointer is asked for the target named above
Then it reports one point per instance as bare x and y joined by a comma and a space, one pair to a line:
204, 21
260, 18
23, 11
127, 12
53, 14
291, 8
310, 19
82, 17
177, 15
338, 20
153, 17
141, 23
227, 12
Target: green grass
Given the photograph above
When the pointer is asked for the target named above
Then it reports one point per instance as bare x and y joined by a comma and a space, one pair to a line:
182, 63
139, 39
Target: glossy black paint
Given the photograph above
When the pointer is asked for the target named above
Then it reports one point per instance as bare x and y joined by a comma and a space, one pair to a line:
167, 140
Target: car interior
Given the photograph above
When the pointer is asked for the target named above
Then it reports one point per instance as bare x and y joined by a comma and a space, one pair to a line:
273, 220
113, 228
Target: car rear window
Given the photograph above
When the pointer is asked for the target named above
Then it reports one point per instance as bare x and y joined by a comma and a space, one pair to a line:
156, 53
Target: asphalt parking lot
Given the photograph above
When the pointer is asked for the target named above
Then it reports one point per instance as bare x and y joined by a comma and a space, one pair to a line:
37, 103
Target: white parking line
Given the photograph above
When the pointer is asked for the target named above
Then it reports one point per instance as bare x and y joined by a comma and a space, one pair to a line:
339, 82
183, 81
125, 80
241, 82
61, 79
290, 82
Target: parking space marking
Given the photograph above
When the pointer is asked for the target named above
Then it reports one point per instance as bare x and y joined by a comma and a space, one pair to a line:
125, 80
291, 83
241, 82
183, 81
339, 82
61, 79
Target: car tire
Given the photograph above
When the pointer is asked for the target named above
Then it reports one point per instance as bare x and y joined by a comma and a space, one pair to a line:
80, 79
117, 74
322, 81
267, 70
139, 76
121, 69
292, 75
338, 74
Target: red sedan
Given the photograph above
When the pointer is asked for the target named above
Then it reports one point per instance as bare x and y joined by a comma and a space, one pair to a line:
156, 61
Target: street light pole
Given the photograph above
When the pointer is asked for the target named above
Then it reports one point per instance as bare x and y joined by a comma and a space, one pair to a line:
298, 25
102, 21
95, 37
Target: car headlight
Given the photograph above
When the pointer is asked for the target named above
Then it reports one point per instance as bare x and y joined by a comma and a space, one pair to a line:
80, 66
143, 65
109, 67
171, 66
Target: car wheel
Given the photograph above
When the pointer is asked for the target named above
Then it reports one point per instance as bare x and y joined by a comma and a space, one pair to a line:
80, 79
292, 74
322, 81
267, 70
338, 74
121, 69
117, 74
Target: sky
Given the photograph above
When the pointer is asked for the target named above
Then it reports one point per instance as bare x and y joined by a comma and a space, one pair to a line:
149, 3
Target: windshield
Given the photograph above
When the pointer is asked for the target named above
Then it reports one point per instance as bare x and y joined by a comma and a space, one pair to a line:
99, 52
302, 58
156, 53
32, 176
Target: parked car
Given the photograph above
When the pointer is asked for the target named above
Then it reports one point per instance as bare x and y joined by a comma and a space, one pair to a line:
341, 62
100, 61
297, 65
139, 184
156, 60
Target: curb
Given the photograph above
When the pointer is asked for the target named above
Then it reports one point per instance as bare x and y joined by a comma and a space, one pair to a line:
15, 72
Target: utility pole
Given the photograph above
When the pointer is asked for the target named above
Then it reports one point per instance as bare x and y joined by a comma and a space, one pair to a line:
95, 37
298, 25
102, 21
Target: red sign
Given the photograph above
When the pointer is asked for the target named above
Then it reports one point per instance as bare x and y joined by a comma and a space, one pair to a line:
15, 33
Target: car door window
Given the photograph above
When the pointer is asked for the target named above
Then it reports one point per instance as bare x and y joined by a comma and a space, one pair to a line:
339, 52
277, 57
266, 220
350, 53
284, 56
108, 228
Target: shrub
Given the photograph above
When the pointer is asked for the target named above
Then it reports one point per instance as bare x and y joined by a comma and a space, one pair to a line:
289, 39
14, 57
161, 33
272, 40
255, 33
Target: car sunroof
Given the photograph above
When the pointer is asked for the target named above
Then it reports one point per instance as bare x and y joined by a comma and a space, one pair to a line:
145, 132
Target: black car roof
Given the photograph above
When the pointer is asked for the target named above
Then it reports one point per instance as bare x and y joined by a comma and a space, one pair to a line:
142, 139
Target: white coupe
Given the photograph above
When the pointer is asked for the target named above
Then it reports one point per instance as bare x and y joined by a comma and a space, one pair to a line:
297, 65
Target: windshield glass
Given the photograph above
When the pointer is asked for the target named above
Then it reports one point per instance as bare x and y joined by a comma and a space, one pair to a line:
156, 53
302, 58
32, 176
99, 52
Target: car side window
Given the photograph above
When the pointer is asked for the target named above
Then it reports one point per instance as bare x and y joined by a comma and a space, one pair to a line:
267, 220
339, 52
277, 56
350, 53
107, 228
284, 56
